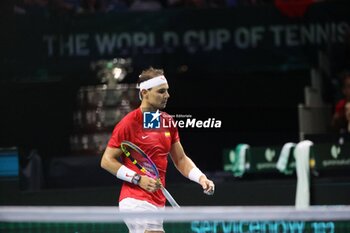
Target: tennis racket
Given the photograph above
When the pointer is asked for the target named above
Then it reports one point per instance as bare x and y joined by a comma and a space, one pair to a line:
146, 165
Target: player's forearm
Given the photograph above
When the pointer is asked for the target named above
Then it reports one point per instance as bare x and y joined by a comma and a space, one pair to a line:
185, 165
111, 165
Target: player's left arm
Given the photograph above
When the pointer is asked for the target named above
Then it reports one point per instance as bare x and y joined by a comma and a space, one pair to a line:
188, 168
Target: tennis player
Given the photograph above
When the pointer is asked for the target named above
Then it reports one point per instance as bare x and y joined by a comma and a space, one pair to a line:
139, 192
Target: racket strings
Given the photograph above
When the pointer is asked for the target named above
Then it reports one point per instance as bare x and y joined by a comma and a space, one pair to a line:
140, 161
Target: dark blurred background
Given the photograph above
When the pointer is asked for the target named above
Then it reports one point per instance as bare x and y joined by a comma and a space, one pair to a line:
255, 65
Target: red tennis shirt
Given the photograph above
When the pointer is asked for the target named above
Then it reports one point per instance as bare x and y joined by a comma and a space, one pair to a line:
156, 143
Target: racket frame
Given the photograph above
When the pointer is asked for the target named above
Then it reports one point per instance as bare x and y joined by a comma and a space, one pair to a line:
165, 192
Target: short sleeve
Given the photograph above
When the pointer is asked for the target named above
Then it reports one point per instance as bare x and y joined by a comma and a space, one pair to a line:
175, 135
120, 133
174, 132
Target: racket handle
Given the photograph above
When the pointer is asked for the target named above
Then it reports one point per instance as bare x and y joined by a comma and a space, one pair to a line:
170, 198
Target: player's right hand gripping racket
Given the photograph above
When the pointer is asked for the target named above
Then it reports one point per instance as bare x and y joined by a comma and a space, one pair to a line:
146, 165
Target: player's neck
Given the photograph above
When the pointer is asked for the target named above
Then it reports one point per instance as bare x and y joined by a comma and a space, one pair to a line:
145, 107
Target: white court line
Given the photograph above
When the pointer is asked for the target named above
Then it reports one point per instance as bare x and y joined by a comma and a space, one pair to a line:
185, 214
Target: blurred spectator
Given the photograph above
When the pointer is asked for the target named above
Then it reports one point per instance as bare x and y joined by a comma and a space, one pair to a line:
231, 3
196, 3
293, 8
216, 3
117, 5
33, 7
146, 5
92, 6
175, 3
66, 6
341, 116
187, 3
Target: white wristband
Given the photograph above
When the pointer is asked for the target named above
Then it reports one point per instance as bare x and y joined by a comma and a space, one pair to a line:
125, 174
195, 174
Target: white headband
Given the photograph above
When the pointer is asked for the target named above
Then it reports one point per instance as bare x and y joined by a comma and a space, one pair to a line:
156, 81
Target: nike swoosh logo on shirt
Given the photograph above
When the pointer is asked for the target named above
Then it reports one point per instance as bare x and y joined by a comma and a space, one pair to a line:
144, 137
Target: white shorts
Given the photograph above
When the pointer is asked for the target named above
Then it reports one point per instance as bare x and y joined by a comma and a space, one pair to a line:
140, 225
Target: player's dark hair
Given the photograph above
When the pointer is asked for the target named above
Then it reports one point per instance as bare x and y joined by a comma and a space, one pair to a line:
150, 73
